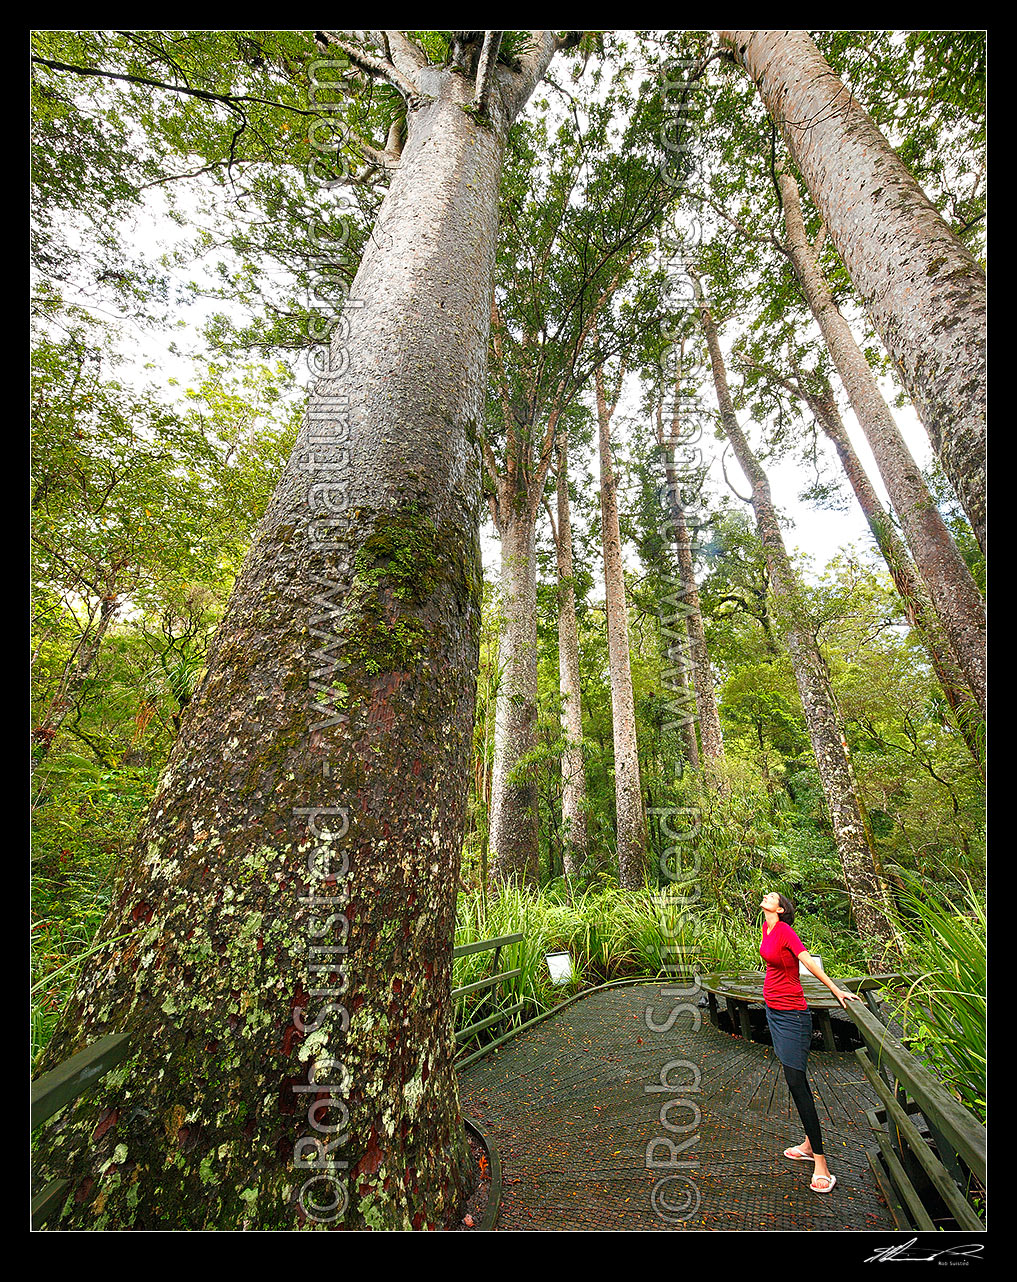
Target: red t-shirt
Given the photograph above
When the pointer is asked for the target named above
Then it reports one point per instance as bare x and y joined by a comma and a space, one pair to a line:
782, 989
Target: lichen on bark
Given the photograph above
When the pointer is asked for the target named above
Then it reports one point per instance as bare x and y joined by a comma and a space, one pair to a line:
288, 911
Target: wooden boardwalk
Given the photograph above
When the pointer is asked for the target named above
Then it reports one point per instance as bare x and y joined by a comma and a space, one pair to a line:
571, 1107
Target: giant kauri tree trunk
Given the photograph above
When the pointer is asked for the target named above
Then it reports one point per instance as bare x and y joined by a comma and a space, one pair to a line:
951, 587
280, 945
515, 498
710, 734
920, 285
629, 817
573, 768
514, 833
914, 598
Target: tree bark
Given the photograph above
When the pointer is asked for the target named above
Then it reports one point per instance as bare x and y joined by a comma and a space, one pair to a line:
576, 848
917, 606
678, 678
290, 905
631, 823
866, 891
702, 674
953, 591
514, 789
516, 500
922, 288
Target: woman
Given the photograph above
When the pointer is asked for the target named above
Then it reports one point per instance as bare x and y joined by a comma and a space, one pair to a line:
790, 1021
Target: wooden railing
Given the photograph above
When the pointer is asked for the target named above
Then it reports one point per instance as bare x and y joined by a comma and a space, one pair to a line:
486, 945
60, 1086
922, 1173
867, 985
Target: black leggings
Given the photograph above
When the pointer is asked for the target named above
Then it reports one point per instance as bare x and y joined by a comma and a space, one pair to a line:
801, 1093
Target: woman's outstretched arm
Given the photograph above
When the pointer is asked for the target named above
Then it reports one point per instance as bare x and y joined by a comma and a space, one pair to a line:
814, 965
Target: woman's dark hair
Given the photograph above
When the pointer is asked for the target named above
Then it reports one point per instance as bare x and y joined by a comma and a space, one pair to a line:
788, 914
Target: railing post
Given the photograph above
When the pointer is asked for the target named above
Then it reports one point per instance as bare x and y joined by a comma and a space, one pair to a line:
486, 945
958, 1137
60, 1086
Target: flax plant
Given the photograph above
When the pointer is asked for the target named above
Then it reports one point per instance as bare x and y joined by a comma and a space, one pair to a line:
944, 1012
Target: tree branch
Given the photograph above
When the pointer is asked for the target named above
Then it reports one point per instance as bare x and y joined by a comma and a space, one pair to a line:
386, 159
228, 100
550, 517
547, 450
727, 481
377, 68
763, 238
517, 86
485, 68
404, 54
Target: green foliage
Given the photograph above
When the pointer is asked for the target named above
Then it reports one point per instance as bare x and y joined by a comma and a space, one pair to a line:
143, 508
228, 135
609, 934
84, 817
944, 1012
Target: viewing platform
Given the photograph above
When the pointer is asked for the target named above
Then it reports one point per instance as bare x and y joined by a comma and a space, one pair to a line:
574, 1106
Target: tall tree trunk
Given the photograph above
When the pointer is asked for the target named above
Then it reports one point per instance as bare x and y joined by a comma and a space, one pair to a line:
514, 788
954, 592
515, 502
917, 606
573, 769
678, 679
868, 896
702, 674
631, 823
290, 906
487, 771
73, 676
922, 288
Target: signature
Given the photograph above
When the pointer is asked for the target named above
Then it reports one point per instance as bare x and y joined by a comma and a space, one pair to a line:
887, 1254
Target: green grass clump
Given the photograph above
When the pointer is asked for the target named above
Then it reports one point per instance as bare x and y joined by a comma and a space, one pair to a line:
944, 1013
608, 932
